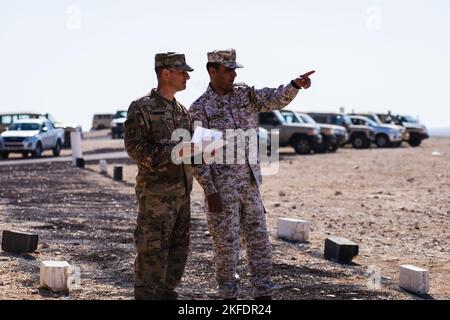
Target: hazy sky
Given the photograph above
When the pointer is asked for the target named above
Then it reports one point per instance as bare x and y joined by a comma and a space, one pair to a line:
77, 58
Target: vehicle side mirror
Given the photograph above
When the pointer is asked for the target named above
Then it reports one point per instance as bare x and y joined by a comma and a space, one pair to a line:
44, 129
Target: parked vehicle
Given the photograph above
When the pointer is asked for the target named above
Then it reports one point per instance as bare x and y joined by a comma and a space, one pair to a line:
359, 136
302, 137
333, 135
6, 119
31, 136
374, 117
117, 124
67, 127
386, 135
102, 121
417, 131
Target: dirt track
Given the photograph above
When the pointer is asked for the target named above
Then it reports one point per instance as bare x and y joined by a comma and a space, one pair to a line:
394, 203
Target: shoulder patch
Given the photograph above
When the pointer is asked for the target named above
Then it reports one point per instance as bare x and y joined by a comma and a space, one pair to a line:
145, 100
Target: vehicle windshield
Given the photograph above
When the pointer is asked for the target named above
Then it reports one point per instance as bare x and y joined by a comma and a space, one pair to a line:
373, 117
344, 120
371, 122
306, 118
389, 118
24, 127
120, 114
408, 119
289, 117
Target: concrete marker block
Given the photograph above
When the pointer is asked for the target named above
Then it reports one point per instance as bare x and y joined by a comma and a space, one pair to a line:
75, 141
80, 163
55, 276
340, 250
118, 172
103, 167
19, 242
414, 279
293, 229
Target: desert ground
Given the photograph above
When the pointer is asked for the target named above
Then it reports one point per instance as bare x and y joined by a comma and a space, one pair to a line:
394, 203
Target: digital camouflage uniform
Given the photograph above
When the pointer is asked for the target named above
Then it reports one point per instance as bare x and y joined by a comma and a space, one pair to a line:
163, 192
237, 184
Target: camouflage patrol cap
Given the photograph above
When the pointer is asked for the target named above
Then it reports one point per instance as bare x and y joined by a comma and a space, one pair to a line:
224, 57
172, 60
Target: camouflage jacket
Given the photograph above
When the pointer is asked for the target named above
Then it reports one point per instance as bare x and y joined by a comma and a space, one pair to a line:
148, 130
237, 110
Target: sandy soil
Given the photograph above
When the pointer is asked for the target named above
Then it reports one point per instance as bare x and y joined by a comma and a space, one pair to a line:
395, 203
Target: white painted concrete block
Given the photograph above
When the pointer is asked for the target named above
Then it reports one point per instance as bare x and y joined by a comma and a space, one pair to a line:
293, 229
103, 167
414, 279
77, 151
55, 275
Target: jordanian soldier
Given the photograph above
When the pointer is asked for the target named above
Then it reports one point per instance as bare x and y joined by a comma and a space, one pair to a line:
232, 190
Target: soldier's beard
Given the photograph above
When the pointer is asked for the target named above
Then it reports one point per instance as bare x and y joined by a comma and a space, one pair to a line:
222, 88
228, 87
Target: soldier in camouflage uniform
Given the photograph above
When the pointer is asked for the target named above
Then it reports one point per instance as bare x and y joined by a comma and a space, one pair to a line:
162, 188
232, 190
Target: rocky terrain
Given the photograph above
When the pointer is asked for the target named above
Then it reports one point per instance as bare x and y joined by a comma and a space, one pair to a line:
394, 203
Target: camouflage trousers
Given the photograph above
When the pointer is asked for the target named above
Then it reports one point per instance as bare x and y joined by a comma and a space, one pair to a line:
243, 214
162, 243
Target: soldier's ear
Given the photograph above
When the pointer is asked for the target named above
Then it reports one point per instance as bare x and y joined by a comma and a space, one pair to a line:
211, 70
165, 73
213, 73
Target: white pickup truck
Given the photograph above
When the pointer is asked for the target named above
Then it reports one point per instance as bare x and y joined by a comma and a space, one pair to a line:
31, 136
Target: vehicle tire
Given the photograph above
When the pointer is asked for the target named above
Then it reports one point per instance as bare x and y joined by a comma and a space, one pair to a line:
57, 149
321, 148
333, 147
360, 142
382, 141
4, 155
414, 141
37, 153
301, 145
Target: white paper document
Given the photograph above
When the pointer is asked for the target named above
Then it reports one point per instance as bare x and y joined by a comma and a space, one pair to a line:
205, 141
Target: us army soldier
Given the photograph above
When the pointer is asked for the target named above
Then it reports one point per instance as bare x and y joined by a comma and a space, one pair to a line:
162, 188
232, 190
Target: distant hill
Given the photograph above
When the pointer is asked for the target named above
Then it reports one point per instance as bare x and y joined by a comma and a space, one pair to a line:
439, 132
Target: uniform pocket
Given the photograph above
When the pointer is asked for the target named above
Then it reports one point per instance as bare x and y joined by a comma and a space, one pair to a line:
147, 239
161, 126
148, 231
218, 120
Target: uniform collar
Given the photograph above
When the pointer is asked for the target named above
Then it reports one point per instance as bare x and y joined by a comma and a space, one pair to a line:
163, 101
211, 93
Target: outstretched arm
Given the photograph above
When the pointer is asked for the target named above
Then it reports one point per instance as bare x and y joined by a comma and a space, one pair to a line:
268, 99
